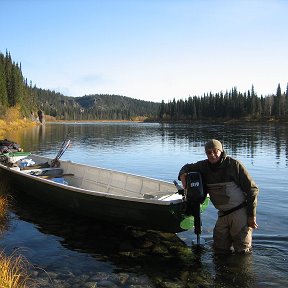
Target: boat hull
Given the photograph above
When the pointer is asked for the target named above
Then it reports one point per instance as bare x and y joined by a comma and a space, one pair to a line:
147, 214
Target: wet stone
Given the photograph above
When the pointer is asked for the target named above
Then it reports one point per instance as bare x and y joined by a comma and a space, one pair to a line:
173, 285
99, 276
106, 284
141, 286
160, 249
147, 244
139, 280
88, 285
121, 278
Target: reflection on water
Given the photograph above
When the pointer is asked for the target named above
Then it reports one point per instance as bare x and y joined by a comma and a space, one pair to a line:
164, 259
246, 140
150, 259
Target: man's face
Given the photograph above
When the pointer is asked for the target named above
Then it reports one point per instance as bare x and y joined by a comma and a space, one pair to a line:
213, 155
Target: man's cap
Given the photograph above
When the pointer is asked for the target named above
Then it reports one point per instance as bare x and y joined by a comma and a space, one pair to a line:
214, 144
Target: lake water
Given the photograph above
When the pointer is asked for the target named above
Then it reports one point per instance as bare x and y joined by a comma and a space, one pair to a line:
69, 251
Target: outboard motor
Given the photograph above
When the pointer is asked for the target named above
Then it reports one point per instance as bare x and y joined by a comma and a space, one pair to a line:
195, 196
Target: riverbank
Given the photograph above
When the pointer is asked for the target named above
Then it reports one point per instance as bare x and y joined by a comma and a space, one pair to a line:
6, 126
13, 120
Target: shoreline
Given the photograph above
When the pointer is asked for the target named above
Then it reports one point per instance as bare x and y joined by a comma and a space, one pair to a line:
18, 124
100, 121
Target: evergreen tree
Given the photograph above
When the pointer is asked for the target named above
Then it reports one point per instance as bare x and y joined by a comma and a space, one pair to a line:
277, 102
3, 88
286, 102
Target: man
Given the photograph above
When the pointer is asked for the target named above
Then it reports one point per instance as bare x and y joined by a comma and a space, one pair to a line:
233, 192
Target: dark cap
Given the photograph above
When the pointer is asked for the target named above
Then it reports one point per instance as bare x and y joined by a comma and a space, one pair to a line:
214, 144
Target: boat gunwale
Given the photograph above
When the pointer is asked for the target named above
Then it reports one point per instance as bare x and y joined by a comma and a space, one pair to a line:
97, 193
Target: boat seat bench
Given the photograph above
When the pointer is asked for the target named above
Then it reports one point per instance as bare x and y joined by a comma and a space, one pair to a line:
119, 184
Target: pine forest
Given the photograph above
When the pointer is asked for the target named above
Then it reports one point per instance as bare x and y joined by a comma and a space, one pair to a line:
15, 91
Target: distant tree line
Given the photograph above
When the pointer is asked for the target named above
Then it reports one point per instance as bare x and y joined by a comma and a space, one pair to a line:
95, 107
226, 106
15, 91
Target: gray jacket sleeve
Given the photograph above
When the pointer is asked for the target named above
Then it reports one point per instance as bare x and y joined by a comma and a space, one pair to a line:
249, 187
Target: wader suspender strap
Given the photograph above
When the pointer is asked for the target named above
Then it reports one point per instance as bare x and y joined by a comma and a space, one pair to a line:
224, 213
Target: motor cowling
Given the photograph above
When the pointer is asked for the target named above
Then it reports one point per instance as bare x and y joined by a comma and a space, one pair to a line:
195, 194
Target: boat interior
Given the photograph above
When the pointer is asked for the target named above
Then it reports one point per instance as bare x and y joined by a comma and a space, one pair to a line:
104, 180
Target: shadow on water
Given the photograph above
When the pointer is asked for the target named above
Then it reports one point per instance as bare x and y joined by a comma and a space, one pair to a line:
122, 255
162, 257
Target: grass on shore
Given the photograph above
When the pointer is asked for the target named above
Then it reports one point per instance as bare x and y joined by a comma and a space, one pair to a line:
12, 120
4, 217
3, 207
14, 269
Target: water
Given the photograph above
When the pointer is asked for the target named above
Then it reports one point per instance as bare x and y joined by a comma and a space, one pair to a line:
70, 251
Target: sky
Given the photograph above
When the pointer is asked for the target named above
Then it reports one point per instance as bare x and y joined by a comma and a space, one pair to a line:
151, 50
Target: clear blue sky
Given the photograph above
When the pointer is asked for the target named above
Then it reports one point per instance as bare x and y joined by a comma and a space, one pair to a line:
148, 49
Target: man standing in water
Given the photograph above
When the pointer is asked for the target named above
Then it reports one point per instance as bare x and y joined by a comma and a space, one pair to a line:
233, 192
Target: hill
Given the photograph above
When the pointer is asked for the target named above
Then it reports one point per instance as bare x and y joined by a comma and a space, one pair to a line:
95, 107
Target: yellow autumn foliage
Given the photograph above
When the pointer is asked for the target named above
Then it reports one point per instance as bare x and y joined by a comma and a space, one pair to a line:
12, 120
14, 271
3, 207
